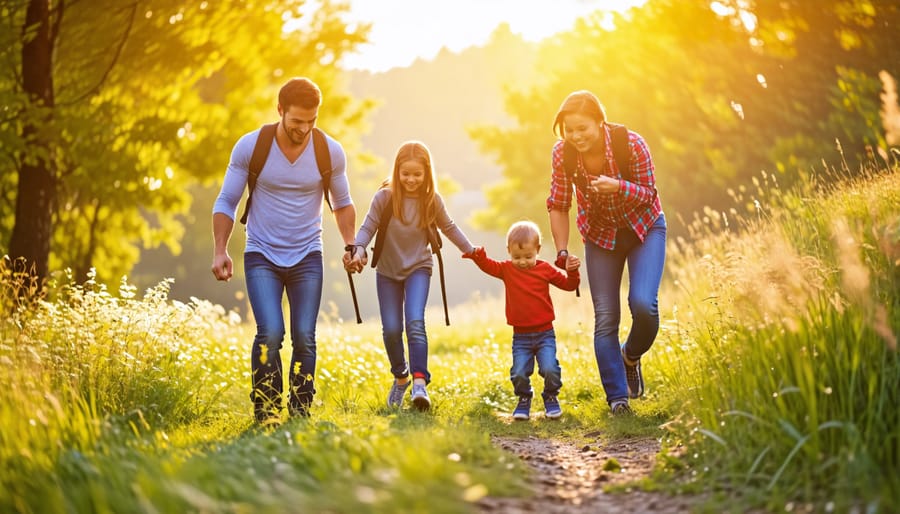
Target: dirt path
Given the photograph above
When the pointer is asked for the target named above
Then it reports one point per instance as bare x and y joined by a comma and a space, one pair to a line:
568, 478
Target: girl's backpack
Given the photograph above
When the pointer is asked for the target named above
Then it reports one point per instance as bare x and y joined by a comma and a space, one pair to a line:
434, 239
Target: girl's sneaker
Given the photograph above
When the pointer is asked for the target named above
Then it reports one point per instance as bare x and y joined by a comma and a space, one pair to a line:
523, 408
395, 396
420, 397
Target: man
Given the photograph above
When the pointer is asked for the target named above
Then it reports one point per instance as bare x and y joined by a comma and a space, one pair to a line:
284, 244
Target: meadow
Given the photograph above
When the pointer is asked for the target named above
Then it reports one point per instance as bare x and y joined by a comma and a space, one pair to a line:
774, 384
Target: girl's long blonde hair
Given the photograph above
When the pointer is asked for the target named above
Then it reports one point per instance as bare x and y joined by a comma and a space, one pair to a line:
414, 150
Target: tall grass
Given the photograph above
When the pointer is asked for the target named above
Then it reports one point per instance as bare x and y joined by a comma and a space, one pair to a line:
782, 345
81, 365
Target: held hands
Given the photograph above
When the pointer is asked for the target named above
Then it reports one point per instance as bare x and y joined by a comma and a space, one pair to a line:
355, 258
566, 261
476, 251
561, 259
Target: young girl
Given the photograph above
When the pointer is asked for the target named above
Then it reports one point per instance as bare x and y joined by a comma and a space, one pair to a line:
403, 267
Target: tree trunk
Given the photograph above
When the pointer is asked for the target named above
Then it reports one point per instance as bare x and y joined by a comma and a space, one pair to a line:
36, 194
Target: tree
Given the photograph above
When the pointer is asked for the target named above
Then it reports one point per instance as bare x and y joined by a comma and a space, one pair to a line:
117, 106
720, 90
37, 183
669, 71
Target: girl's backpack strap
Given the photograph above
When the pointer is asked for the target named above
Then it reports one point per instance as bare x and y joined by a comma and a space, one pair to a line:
434, 239
386, 214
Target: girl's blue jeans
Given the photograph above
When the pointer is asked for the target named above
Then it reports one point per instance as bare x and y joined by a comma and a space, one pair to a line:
604, 269
531, 347
399, 299
266, 285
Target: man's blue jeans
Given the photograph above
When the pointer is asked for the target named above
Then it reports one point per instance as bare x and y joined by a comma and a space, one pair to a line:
604, 269
540, 347
266, 285
396, 299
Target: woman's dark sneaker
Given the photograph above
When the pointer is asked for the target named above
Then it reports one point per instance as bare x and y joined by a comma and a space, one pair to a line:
633, 376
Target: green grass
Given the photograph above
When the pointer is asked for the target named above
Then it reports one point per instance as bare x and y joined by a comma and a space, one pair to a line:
782, 343
774, 384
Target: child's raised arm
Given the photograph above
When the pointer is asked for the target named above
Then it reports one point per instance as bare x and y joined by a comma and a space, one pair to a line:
487, 265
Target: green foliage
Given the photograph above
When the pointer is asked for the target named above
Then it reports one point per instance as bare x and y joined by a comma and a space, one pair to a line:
149, 98
716, 97
783, 346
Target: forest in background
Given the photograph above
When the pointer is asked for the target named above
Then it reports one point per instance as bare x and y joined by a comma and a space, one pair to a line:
119, 117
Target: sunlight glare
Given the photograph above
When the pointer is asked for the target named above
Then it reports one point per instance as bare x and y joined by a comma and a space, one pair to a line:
405, 30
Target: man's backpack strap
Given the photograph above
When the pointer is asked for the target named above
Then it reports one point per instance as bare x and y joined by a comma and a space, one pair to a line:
434, 239
257, 161
323, 161
619, 136
261, 153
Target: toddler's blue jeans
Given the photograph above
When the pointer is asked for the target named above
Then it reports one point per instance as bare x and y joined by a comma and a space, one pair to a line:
531, 347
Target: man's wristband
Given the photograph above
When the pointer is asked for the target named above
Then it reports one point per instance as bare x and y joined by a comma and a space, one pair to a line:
352, 250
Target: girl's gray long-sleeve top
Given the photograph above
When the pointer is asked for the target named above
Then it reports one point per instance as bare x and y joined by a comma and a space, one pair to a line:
406, 247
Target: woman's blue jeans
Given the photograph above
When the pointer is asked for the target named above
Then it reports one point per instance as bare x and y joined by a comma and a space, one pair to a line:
266, 285
604, 269
528, 348
405, 298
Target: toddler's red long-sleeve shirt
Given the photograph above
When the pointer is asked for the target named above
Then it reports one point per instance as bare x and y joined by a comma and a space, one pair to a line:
528, 304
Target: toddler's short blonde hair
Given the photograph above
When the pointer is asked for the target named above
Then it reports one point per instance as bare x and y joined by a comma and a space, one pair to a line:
523, 232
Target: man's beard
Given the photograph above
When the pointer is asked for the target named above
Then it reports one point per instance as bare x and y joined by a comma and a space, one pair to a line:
297, 137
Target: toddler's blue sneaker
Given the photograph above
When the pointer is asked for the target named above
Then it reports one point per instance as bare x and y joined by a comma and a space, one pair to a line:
552, 409
523, 408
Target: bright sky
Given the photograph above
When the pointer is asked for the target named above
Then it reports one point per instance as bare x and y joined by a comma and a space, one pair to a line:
403, 30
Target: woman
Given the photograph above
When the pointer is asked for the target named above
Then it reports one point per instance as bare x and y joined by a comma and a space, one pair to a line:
621, 221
